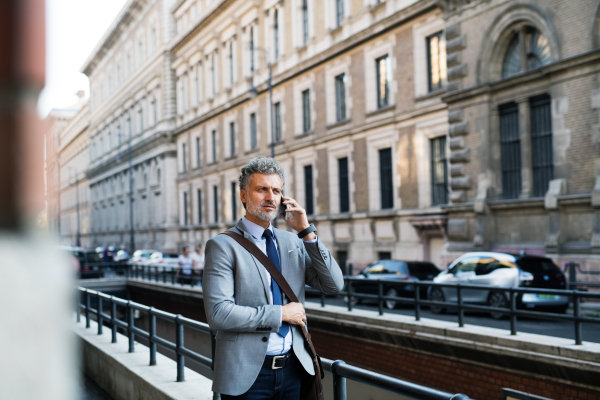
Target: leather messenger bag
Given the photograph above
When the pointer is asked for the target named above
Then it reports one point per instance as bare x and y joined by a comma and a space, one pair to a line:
312, 385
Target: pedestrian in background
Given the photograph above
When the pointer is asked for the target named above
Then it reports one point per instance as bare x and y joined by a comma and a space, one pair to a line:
186, 266
198, 256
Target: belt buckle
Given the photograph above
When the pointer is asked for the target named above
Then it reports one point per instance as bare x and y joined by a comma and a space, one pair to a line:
275, 358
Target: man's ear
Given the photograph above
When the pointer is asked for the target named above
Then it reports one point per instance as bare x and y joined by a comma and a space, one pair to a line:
243, 196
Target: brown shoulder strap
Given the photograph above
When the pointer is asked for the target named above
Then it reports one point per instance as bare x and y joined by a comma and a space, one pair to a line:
275, 273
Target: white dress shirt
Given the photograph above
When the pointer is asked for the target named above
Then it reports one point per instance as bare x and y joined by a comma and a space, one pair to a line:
277, 344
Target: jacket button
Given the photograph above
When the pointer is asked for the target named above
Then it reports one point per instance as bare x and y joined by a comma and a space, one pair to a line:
264, 339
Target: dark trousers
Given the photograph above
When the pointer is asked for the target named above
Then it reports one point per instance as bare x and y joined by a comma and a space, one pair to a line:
275, 384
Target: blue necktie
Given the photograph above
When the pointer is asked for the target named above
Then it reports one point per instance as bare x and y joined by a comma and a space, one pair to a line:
277, 298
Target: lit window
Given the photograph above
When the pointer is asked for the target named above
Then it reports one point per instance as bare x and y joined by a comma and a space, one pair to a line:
382, 66
436, 61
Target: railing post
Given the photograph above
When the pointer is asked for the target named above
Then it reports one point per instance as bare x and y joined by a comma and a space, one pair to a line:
178, 347
349, 295
461, 312
513, 314
350, 270
417, 301
78, 306
339, 382
130, 325
151, 335
322, 299
164, 274
113, 319
576, 303
99, 313
379, 296
87, 309
173, 276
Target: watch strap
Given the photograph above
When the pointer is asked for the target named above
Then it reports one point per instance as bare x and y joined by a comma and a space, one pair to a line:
311, 228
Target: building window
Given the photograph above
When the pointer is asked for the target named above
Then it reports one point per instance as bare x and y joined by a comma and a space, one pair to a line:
386, 179
154, 114
213, 136
276, 33
233, 202
253, 131
304, 22
542, 160
510, 150
306, 110
183, 160
308, 190
384, 255
198, 81
436, 61
340, 97
251, 49
382, 67
216, 202
199, 194
439, 171
185, 208
344, 186
231, 139
277, 122
339, 8
536, 51
198, 152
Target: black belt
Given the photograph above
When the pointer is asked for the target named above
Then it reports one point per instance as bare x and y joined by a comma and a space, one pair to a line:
277, 362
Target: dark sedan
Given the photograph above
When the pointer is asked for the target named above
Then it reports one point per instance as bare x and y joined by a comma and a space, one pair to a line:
395, 274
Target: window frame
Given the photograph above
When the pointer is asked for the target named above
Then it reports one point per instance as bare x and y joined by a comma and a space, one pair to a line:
340, 97
306, 122
385, 101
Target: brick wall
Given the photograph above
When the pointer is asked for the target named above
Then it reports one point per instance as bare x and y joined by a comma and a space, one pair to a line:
323, 200
361, 178
476, 381
407, 168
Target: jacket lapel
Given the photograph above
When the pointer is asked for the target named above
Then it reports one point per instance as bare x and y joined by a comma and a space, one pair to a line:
241, 228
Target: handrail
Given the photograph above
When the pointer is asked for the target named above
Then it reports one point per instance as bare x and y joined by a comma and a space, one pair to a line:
338, 368
461, 306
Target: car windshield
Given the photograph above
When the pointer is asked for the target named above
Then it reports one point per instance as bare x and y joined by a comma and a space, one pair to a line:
387, 267
423, 269
170, 255
537, 265
155, 256
93, 257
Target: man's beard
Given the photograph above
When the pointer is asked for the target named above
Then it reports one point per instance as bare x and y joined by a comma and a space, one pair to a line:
256, 210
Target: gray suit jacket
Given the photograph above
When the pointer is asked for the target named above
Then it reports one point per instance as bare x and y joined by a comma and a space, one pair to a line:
238, 308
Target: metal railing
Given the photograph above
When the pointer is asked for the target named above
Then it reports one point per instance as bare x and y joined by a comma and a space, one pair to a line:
338, 368
164, 274
572, 268
460, 306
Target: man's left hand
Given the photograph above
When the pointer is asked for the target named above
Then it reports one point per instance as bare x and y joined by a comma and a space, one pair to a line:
299, 220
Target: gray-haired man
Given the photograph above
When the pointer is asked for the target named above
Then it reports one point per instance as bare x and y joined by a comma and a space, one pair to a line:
260, 351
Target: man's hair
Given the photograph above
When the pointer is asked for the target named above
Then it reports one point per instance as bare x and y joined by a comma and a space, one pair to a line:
261, 165
185, 248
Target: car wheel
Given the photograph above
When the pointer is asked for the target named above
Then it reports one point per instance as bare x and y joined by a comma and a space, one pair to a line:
355, 301
436, 294
391, 304
498, 300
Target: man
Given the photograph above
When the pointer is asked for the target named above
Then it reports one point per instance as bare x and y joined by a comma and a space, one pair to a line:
260, 352
186, 265
198, 256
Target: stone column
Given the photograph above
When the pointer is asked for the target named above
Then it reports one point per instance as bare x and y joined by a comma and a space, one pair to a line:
525, 133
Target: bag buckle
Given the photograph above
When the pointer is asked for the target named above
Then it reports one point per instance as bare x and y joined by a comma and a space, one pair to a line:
275, 358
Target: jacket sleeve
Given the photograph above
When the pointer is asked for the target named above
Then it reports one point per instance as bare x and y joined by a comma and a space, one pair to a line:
218, 284
322, 271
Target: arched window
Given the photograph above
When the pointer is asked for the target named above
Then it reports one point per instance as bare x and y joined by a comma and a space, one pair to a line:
528, 49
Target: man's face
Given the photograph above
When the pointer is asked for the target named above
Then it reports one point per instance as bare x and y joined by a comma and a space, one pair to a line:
198, 250
186, 252
263, 196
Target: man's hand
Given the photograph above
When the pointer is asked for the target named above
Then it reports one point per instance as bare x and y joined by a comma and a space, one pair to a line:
293, 313
299, 220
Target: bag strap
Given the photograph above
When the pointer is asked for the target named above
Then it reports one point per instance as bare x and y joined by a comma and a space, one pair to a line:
275, 273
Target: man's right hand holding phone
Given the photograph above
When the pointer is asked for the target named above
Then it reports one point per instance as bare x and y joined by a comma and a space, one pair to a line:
299, 220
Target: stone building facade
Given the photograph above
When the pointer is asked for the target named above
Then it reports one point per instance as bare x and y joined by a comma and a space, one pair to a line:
411, 129
523, 99
132, 155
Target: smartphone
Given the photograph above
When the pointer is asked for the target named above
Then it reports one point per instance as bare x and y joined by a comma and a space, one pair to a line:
283, 208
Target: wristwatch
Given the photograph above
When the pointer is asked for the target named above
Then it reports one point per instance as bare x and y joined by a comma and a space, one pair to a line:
311, 228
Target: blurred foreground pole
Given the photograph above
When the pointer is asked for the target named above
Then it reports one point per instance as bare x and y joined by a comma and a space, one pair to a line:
36, 346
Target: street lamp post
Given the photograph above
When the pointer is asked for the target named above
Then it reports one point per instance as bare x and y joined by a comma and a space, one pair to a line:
253, 92
78, 234
131, 231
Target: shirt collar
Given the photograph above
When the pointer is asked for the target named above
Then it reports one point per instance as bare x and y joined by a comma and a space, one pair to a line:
255, 230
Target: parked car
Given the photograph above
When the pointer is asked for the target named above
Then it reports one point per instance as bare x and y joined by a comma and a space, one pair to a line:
122, 256
141, 256
393, 272
501, 270
89, 262
167, 260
